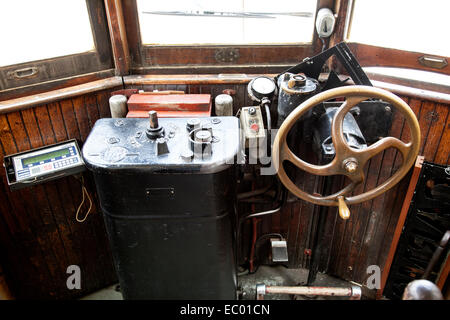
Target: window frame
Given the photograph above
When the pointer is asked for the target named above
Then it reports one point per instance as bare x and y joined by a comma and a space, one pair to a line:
148, 59
376, 56
66, 70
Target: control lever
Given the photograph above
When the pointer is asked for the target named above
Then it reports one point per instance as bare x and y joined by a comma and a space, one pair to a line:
344, 211
154, 130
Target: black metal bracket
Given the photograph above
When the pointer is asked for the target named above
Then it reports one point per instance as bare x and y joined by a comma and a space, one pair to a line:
312, 67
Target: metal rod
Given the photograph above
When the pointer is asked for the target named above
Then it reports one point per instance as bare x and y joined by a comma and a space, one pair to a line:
153, 116
354, 292
317, 291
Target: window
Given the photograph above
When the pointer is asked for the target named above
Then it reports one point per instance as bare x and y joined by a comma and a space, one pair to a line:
411, 25
226, 22
176, 36
39, 38
48, 39
402, 33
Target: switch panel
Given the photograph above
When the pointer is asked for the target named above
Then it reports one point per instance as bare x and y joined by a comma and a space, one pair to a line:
252, 126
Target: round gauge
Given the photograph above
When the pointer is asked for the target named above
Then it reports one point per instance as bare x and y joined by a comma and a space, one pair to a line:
261, 87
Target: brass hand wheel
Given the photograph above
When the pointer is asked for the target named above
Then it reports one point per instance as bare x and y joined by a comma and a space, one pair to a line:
347, 161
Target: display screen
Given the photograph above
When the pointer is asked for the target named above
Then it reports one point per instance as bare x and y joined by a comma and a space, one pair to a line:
46, 156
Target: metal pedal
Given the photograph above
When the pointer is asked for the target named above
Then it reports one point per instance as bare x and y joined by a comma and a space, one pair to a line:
279, 250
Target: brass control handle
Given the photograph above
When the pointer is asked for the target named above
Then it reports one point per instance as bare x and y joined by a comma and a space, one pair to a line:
344, 211
348, 161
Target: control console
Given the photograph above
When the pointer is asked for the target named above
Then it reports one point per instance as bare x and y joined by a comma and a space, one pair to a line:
174, 144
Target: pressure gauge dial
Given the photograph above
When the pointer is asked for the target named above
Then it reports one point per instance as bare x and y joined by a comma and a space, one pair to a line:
261, 87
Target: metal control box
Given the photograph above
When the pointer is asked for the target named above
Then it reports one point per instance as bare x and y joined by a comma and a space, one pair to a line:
252, 124
167, 202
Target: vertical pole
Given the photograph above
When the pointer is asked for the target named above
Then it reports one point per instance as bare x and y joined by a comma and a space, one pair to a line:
318, 235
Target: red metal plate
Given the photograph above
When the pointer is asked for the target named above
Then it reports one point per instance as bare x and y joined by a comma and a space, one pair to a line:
171, 105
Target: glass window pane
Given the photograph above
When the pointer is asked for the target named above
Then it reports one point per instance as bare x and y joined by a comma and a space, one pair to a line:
186, 22
411, 25
34, 30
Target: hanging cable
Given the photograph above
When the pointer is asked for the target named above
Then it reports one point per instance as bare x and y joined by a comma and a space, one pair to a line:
323, 44
85, 194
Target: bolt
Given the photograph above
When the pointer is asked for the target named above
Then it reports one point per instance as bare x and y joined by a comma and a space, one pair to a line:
187, 155
113, 140
387, 109
119, 123
351, 166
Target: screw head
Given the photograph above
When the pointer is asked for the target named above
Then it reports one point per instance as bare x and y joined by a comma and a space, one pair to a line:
113, 140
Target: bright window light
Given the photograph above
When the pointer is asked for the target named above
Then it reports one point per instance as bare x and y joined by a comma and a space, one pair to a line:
411, 25
36, 30
185, 22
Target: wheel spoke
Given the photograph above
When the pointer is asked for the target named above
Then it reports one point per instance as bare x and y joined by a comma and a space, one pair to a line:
325, 170
382, 145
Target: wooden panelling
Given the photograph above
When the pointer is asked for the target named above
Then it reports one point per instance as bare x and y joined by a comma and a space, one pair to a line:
40, 237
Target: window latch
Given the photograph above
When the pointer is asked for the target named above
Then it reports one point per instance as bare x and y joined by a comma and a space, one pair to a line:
23, 73
433, 62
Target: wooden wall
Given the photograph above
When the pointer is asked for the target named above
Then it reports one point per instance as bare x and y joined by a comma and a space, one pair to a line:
39, 236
